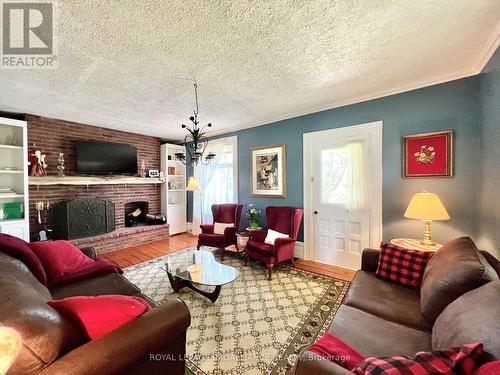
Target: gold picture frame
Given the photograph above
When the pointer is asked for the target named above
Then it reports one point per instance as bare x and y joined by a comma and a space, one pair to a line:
268, 171
428, 155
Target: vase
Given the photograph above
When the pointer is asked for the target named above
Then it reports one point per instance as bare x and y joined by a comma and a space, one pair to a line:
254, 225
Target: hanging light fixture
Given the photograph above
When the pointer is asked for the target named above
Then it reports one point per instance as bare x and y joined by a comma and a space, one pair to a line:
196, 142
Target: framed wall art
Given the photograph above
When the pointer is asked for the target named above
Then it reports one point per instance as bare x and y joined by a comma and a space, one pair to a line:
268, 171
428, 155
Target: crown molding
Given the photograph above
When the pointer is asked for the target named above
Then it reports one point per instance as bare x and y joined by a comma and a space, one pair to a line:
492, 46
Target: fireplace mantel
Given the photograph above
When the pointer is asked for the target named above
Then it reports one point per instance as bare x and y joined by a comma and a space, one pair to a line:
92, 180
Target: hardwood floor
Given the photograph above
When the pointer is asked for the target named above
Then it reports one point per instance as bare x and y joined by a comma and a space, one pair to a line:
141, 253
138, 254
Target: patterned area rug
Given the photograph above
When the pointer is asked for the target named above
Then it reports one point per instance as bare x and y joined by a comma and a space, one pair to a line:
256, 326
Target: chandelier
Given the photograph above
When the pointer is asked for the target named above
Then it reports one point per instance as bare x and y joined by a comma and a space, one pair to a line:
196, 142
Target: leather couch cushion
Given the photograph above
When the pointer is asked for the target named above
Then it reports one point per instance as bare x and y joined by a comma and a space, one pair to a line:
387, 300
374, 336
474, 317
45, 333
455, 269
107, 284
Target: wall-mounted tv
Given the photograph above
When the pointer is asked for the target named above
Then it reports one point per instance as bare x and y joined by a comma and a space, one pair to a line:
102, 158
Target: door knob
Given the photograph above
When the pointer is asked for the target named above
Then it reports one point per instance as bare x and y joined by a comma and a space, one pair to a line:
315, 212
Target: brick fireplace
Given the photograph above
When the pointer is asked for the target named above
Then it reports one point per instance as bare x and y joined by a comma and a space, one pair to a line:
55, 136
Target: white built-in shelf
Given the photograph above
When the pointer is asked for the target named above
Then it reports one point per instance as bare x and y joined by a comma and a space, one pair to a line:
12, 221
92, 180
177, 205
12, 147
11, 195
176, 189
10, 171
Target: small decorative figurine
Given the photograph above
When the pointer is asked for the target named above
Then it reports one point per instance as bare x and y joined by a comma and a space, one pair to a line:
37, 164
162, 176
60, 165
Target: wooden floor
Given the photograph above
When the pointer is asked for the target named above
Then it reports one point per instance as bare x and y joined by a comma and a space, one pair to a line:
142, 253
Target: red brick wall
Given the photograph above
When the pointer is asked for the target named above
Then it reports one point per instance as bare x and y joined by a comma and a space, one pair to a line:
55, 136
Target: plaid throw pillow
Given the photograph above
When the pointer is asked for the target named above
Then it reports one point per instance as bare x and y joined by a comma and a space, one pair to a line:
460, 361
402, 266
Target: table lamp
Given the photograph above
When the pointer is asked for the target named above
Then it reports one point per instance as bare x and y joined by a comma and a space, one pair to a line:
426, 207
10, 346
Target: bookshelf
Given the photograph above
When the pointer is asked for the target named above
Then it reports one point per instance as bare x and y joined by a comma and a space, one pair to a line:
173, 191
14, 176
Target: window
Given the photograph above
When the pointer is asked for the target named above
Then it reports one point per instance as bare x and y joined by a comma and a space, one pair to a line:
218, 180
334, 170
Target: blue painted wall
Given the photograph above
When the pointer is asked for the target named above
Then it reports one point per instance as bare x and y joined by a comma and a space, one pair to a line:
489, 190
453, 105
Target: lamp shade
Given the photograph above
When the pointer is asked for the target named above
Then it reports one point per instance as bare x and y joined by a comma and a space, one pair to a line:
193, 184
426, 206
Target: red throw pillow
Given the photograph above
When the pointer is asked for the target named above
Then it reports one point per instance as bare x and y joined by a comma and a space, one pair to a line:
20, 249
102, 314
402, 266
335, 350
60, 258
463, 361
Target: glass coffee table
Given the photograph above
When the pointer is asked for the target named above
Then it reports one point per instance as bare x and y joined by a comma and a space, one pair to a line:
198, 267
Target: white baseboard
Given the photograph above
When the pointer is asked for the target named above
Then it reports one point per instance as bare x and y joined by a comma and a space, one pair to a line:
299, 249
189, 227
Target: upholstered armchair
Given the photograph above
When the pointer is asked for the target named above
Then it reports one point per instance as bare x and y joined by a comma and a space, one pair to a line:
285, 220
227, 213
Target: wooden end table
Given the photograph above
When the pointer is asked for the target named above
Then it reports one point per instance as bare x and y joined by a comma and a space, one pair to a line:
414, 244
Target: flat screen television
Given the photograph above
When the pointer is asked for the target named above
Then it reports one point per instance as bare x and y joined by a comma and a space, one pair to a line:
102, 158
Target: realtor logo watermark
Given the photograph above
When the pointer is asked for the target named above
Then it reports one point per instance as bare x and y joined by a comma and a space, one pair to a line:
28, 40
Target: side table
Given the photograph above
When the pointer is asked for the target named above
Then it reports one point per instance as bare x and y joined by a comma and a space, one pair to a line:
414, 244
242, 238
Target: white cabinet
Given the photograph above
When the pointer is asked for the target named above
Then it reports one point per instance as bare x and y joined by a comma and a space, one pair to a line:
17, 229
173, 191
14, 177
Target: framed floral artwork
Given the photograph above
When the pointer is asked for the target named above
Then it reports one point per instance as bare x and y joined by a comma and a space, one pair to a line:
428, 155
268, 171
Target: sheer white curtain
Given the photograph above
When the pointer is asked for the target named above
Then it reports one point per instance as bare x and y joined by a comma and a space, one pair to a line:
218, 180
358, 177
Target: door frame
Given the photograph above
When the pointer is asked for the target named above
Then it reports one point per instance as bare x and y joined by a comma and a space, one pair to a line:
374, 132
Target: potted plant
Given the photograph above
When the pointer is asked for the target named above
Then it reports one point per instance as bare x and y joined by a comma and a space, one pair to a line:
253, 217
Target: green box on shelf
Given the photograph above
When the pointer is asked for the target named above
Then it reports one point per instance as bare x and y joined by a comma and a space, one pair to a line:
13, 210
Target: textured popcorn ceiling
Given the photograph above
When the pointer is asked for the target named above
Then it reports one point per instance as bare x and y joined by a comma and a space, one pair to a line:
130, 65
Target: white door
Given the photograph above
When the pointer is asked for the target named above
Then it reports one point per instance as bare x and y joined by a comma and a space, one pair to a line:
343, 195
339, 233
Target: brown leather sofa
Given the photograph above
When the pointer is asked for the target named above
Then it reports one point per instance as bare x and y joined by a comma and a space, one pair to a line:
458, 303
151, 344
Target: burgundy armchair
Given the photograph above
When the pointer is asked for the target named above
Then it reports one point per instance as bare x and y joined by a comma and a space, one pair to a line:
285, 220
227, 213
